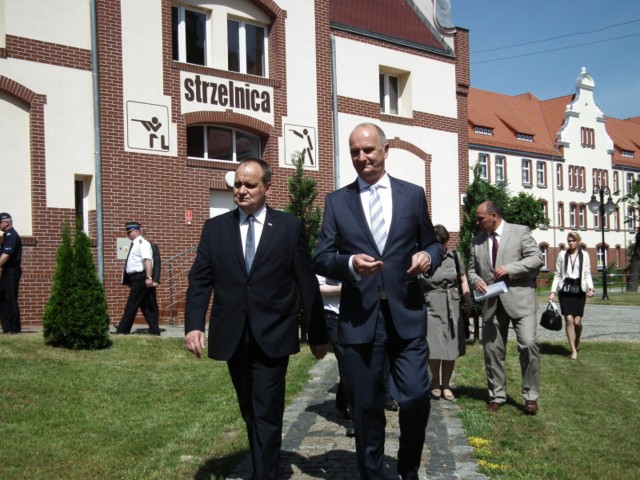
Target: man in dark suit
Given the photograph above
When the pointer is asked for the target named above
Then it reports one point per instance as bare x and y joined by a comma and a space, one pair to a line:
376, 238
507, 252
257, 260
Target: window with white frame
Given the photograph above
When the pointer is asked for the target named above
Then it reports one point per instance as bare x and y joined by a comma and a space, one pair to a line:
543, 252
500, 162
630, 181
631, 219
581, 183
189, 35
626, 153
618, 256
483, 130
588, 137
616, 219
560, 215
526, 172
559, 175
601, 251
541, 173
616, 182
545, 211
573, 210
571, 178
247, 44
81, 198
389, 93
212, 142
582, 217
524, 137
483, 161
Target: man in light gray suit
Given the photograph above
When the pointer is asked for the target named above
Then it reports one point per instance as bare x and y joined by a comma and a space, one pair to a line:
507, 252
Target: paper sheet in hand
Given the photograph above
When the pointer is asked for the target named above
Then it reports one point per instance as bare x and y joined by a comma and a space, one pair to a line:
492, 291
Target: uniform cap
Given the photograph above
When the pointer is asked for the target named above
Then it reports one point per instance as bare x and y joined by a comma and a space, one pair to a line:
132, 226
4, 216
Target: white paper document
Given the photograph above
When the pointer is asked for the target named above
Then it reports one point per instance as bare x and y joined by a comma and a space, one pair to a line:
492, 291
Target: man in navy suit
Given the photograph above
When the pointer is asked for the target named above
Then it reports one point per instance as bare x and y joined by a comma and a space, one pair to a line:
257, 261
377, 247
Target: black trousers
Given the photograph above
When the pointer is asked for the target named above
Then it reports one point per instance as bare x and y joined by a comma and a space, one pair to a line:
143, 298
9, 309
342, 399
259, 382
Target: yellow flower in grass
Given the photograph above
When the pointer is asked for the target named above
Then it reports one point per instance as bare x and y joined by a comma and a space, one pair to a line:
477, 442
492, 468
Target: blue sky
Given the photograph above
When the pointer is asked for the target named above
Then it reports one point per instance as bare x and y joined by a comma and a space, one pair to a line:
611, 61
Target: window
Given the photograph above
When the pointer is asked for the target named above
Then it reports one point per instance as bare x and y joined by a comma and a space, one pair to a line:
524, 137
526, 172
581, 181
560, 215
631, 219
545, 211
220, 143
81, 198
543, 252
559, 175
582, 217
616, 219
571, 177
189, 35
483, 161
389, 93
616, 182
626, 153
501, 168
602, 256
483, 130
587, 137
600, 177
247, 44
618, 256
630, 182
541, 174
573, 208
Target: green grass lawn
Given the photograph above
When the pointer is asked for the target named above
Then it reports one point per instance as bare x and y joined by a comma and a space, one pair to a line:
587, 426
143, 409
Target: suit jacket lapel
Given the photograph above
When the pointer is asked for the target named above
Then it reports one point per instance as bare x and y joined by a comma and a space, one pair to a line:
355, 205
397, 202
502, 246
236, 238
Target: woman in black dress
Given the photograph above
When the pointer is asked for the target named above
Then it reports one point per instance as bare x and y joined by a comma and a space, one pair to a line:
573, 282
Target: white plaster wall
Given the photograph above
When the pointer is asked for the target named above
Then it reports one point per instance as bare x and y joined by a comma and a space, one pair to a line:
15, 162
433, 83
65, 22
68, 112
443, 148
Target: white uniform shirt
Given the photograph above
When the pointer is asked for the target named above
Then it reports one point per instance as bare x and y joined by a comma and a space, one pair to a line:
140, 251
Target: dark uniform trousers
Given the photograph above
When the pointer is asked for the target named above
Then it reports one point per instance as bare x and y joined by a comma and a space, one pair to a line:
140, 297
9, 310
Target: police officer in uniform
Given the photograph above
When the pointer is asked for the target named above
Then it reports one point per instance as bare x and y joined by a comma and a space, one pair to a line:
138, 274
10, 275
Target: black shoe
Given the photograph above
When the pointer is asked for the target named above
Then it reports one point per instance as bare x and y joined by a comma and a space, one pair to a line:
350, 431
412, 475
390, 405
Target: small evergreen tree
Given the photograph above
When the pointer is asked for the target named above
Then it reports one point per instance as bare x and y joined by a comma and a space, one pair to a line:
78, 317
303, 192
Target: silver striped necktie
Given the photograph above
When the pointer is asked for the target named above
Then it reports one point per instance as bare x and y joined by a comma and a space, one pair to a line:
378, 228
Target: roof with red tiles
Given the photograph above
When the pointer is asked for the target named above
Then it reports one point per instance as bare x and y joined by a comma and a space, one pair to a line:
626, 138
395, 19
508, 116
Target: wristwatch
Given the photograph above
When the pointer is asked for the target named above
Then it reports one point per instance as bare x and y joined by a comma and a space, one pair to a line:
149, 278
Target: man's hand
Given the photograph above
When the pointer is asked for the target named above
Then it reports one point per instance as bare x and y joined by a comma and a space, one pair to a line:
364, 265
481, 286
319, 351
194, 341
501, 273
420, 263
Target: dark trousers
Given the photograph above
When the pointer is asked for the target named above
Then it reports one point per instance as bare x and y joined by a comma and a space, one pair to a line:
342, 399
409, 385
259, 382
9, 309
140, 297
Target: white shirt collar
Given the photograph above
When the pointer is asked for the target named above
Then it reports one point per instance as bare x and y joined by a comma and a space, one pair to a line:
260, 215
384, 182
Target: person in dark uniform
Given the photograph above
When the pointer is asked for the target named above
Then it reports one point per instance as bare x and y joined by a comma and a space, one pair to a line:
10, 275
149, 307
138, 274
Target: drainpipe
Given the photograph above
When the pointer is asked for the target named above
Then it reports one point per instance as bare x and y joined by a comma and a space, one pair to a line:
334, 104
96, 141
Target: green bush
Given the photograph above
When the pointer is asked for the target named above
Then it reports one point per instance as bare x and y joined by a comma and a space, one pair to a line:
76, 314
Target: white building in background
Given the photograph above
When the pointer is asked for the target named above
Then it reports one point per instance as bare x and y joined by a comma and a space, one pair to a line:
559, 150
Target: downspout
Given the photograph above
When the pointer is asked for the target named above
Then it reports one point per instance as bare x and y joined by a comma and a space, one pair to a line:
96, 141
334, 105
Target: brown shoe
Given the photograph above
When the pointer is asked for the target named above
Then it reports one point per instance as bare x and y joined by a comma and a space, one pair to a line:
494, 406
531, 407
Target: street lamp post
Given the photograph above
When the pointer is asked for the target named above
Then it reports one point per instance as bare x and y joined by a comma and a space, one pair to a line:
596, 206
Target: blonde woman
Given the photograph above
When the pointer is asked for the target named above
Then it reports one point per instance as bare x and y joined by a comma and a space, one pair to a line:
573, 271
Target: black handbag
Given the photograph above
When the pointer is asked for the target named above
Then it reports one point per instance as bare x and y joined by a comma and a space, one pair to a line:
571, 287
551, 319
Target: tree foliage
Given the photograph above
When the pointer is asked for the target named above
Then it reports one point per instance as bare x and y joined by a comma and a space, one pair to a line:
76, 314
303, 192
633, 200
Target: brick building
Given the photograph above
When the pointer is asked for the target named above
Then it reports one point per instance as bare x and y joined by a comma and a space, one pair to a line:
119, 110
